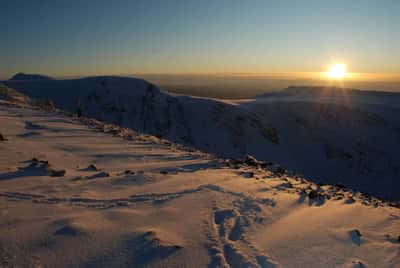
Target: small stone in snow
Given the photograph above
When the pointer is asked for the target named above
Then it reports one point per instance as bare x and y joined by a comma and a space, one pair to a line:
357, 232
92, 167
57, 173
248, 174
2, 138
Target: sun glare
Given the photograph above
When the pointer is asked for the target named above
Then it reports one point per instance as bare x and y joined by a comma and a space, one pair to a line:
337, 71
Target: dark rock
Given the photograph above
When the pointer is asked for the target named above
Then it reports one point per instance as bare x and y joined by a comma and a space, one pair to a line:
98, 175
357, 232
46, 105
313, 194
350, 200
233, 163
250, 160
77, 178
43, 163
57, 173
340, 186
92, 167
280, 170
122, 204
265, 164
2, 138
248, 174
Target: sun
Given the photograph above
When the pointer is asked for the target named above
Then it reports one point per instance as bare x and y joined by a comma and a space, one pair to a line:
337, 71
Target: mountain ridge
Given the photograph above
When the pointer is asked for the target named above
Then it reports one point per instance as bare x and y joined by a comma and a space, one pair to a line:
329, 140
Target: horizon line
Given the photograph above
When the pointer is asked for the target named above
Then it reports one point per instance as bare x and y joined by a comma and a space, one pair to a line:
271, 75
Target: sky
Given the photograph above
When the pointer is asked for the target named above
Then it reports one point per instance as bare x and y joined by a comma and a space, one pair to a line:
93, 37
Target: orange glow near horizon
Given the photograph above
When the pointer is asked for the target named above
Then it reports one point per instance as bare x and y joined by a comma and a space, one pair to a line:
337, 71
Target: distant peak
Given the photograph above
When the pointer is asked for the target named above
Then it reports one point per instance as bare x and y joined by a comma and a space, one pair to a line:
24, 77
315, 88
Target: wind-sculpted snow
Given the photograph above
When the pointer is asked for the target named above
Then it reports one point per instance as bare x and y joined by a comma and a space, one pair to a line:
330, 135
84, 193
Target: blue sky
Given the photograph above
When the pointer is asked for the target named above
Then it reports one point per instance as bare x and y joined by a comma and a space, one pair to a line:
124, 37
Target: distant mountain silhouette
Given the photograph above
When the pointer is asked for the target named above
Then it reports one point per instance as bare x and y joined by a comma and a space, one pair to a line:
25, 77
326, 91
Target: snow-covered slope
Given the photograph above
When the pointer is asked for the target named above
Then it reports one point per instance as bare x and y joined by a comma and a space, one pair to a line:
338, 135
327, 134
207, 124
73, 195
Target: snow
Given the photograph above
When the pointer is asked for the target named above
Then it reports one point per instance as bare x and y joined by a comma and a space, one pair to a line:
165, 205
329, 135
